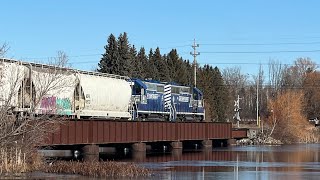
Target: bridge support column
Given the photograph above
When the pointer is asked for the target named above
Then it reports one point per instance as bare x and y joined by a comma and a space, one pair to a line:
139, 147
232, 142
91, 152
139, 152
176, 153
139, 156
176, 150
176, 145
206, 144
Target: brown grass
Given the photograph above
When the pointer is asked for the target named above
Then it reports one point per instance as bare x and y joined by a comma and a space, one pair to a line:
97, 169
287, 121
14, 161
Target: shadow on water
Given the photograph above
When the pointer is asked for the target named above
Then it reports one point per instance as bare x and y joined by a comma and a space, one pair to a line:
299, 161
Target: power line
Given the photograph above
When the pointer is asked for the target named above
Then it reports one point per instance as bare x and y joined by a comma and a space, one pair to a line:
260, 52
51, 57
259, 44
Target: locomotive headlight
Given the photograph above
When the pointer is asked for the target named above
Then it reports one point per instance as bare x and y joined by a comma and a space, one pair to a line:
76, 154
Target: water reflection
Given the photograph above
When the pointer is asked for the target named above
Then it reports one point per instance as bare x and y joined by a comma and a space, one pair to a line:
299, 161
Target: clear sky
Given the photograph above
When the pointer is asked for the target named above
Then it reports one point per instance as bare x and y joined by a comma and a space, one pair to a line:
282, 30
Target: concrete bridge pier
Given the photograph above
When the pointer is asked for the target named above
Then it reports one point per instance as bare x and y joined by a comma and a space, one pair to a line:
176, 150
176, 145
176, 153
139, 151
232, 142
207, 144
139, 156
139, 147
91, 152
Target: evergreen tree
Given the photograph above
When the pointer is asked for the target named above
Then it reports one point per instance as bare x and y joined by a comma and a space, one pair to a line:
109, 62
189, 72
181, 73
220, 95
152, 71
161, 66
136, 64
124, 55
173, 64
142, 61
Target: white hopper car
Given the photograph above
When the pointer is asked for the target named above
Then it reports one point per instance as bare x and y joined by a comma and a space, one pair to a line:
44, 89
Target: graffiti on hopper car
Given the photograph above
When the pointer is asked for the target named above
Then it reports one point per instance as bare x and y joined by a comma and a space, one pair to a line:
51, 105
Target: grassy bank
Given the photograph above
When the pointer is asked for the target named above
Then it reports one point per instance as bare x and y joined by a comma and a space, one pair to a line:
97, 169
14, 162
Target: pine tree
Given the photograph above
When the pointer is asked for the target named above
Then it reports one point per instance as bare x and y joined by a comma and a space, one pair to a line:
142, 61
136, 64
124, 55
189, 72
161, 66
220, 95
109, 62
204, 82
152, 71
173, 64
181, 73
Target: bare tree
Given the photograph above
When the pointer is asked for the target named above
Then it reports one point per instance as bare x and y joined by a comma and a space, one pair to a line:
25, 116
276, 72
3, 49
236, 82
235, 78
295, 75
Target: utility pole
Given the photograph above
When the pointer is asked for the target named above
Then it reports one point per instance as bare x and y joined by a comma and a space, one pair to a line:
237, 111
195, 54
258, 119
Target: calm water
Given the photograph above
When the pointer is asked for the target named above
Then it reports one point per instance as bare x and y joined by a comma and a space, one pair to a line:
247, 162
250, 162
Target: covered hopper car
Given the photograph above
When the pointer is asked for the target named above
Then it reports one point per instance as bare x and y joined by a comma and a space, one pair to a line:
43, 89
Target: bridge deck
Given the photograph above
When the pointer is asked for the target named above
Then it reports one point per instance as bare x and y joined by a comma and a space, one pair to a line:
107, 132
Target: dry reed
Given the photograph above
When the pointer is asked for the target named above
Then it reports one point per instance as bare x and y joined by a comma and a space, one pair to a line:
97, 169
14, 161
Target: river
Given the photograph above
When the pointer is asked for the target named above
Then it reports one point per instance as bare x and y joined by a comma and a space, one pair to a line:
298, 161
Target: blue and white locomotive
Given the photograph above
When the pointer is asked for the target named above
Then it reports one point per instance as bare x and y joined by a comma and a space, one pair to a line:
154, 100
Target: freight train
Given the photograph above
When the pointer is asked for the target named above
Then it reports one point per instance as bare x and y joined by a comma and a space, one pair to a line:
38, 89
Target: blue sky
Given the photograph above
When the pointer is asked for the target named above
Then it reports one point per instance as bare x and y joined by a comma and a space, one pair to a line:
37, 29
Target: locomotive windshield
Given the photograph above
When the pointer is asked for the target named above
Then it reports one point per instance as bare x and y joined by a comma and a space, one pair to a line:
151, 87
160, 88
136, 89
185, 90
197, 94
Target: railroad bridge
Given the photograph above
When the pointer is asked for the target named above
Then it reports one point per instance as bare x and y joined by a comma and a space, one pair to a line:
91, 137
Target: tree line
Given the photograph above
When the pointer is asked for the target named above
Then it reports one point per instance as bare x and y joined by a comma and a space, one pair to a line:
221, 87
122, 58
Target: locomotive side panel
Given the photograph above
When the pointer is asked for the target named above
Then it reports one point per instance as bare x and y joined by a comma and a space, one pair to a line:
149, 97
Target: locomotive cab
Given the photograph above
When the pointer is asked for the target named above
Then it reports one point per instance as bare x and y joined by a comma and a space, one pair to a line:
198, 104
197, 97
139, 92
